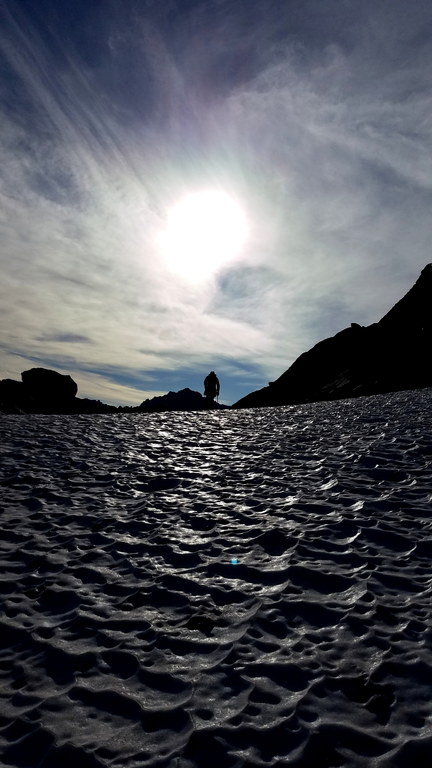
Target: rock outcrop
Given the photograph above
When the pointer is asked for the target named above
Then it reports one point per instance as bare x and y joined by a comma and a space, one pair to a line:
12, 396
45, 391
184, 400
391, 355
49, 389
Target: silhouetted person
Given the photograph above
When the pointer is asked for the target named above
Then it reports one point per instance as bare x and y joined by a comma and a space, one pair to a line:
211, 386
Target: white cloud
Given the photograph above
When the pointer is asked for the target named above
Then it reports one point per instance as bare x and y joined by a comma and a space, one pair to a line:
329, 149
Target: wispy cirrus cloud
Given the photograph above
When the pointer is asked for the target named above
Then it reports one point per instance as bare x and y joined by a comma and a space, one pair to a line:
318, 121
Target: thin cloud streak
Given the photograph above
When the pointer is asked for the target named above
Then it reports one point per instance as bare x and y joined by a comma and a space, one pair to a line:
327, 146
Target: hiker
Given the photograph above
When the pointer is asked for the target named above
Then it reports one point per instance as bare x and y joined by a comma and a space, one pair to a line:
211, 386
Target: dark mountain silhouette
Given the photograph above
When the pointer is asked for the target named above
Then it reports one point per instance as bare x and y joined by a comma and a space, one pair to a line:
44, 391
391, 355
184, 400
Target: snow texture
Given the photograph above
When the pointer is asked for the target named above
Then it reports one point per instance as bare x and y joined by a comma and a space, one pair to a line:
218, 589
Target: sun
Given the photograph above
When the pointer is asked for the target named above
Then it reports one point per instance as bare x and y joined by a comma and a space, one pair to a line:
203, 232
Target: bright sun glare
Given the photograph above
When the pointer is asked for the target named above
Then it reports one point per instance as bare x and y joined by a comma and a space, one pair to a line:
204, 231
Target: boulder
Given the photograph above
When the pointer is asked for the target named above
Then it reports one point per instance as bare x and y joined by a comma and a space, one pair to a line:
48, 390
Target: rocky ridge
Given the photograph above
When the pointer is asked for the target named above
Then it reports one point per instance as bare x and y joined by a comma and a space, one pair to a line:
184, 400
388, 356
45, 391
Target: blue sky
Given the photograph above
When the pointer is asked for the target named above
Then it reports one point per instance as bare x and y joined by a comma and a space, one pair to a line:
313, 115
